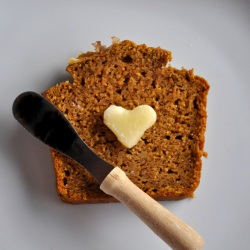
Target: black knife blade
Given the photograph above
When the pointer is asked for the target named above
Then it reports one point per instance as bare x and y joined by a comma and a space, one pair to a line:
42, 119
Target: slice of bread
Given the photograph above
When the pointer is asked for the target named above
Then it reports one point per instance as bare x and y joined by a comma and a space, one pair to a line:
166, 162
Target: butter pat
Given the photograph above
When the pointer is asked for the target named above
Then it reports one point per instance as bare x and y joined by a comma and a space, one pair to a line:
129, 125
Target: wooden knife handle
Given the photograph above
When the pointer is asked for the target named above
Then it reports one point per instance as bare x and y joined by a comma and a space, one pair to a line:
166, 225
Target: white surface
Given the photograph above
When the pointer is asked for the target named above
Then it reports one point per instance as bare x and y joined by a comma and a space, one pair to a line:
36, 40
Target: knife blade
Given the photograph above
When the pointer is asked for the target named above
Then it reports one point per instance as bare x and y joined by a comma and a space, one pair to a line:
42, 119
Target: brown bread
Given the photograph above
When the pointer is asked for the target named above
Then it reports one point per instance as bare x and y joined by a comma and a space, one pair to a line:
166, 162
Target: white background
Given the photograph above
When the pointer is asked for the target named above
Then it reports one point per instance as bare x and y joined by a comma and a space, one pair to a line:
36, 40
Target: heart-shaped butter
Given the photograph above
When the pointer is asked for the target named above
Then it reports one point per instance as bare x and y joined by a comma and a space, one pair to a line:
129, 125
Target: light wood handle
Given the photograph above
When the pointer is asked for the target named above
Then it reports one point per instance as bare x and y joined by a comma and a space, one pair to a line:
166, 225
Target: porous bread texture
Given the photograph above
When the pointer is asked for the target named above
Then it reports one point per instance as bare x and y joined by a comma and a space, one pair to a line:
166, 162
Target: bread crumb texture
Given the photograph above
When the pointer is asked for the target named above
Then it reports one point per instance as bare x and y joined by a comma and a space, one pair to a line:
166, 162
